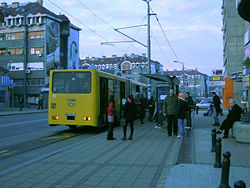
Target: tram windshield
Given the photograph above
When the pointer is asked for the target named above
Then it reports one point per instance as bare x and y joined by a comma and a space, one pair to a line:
71, 82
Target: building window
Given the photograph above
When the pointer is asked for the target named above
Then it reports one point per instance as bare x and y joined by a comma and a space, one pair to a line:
2, 51
10, 22
16, 66
35, 82
15, 36
15, 51
35, 66
38, 20
37, 51
19, 82
36, 34
18, 21
30, 20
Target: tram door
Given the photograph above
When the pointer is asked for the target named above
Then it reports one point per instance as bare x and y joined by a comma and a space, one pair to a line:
103, 100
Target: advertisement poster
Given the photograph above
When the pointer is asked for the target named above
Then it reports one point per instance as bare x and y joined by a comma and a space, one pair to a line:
53, 45
73, 49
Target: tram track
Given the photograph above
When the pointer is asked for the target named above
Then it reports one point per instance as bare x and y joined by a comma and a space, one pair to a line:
28, 146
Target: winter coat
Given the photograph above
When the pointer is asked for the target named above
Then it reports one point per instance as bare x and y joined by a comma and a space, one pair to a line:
190, 102
130, 111
181, 109
216, 103
170, 104
234, 113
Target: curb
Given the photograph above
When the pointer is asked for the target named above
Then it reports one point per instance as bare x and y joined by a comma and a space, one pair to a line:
20, 113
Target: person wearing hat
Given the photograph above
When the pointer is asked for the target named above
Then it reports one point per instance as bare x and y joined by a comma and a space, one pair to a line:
233, 116
181, 113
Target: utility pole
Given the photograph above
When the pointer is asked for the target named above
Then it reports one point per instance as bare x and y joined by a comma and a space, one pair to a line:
182, 74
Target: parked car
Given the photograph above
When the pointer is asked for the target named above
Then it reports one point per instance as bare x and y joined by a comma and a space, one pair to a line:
204, 104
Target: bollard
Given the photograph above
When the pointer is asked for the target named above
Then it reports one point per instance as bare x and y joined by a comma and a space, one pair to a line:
213, 140
217, 163
225, 170
239, 184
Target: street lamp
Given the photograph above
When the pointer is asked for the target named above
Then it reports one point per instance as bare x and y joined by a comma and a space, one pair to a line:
182, 73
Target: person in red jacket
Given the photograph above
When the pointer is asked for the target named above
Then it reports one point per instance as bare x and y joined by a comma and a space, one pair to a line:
111, 117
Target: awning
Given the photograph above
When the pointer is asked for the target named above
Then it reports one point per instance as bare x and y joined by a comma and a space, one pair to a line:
163, 78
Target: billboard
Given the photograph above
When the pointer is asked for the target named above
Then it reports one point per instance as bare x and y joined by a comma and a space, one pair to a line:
52, 45
73, 49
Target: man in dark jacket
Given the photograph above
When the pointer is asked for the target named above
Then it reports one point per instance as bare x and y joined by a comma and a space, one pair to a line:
169, 110
130, 116
181, 113
143, 104
233, 116
216, 109
190, 103
151, 108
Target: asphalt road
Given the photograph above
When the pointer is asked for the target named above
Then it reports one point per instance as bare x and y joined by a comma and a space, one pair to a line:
28, 136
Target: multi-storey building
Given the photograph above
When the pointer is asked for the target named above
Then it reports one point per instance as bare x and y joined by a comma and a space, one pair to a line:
33, 41
233, 44
129, 66
192, 81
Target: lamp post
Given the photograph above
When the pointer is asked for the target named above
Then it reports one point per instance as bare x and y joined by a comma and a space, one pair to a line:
182, 73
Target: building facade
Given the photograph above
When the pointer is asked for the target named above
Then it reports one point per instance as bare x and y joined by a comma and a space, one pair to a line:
233, 43
193, 81
33, 41
129, 66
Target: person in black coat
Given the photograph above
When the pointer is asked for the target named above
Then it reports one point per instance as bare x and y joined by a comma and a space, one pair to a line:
233, 116
151, 108
216, 111
181, 113
130, 116
143, 104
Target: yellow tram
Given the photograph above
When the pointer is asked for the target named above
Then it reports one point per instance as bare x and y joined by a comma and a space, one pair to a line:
80, 97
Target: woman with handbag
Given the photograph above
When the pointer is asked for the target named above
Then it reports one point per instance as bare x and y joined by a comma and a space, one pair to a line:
111, 117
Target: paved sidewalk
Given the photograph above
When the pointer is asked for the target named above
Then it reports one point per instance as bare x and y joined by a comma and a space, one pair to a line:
96, 162
6, 111
201, 173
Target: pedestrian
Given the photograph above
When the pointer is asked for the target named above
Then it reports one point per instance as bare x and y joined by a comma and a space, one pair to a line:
20, 101
129, 112
216, 109
151, 108
111, 117
169, 110
181, 113
40, 102
233, 116
137, 104
190, 104
143, 104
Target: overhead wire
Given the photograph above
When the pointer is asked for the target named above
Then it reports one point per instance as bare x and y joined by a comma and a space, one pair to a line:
95, 14
82, 23
165, 36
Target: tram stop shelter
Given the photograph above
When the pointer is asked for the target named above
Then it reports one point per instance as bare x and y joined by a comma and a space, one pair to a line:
163, 84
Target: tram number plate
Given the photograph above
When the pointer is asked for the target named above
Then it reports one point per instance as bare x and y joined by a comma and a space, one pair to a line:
67, 114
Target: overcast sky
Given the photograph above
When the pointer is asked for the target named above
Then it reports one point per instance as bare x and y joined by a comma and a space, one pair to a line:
193, 29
